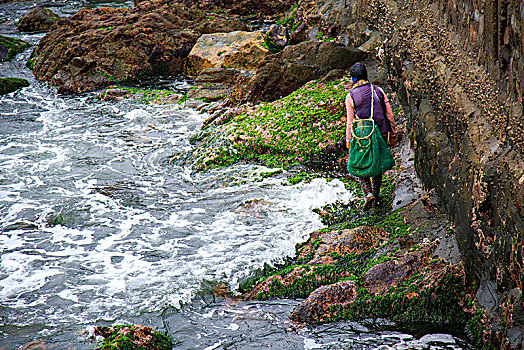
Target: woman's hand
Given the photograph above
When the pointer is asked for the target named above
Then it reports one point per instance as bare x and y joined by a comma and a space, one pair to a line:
392, 139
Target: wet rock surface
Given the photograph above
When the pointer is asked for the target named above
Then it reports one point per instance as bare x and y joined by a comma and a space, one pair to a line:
132, 337
255, 8
95, 48
282, 73
39, 19
10, 47
8, 85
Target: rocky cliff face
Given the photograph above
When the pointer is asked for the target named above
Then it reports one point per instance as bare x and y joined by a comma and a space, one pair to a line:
458, 68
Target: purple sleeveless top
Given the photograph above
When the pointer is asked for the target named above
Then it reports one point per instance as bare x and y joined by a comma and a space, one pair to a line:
361, 96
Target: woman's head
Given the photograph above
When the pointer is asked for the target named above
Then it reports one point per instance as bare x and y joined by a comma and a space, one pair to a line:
358, 71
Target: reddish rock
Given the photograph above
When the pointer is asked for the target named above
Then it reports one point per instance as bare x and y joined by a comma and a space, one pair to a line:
221, 25
344, 242
318, 305
264, 286
257, 8
379, 278
97, 47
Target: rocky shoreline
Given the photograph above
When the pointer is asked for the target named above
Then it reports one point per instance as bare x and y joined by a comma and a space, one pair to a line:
282, 105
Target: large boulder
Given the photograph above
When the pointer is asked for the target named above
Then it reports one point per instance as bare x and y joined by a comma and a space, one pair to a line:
241, 50
283, 73
217, 83
39, 19
326, 19
9, 47
98, 47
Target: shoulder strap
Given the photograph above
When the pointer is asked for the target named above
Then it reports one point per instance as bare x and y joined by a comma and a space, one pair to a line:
372, 99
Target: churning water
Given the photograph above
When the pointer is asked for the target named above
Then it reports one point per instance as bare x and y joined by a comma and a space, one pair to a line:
98, 228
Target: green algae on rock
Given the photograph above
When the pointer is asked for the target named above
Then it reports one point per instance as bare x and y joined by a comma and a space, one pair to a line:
10, 47
307, 126
351, 272
139, 95
132, 337
8, 85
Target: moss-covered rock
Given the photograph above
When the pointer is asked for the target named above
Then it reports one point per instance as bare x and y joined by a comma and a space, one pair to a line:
10, 47
307, 126
436, 296
8, 85
39, 19
113, 93
352, 272
132, 337
318, 304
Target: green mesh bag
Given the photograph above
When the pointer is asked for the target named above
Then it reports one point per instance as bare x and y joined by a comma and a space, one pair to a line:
368, 153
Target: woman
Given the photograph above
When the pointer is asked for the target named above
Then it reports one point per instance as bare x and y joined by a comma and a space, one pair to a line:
358, 105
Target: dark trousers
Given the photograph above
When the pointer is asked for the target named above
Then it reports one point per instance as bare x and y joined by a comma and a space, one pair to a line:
371, 185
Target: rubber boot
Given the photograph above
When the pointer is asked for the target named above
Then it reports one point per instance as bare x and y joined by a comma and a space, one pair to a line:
375, 188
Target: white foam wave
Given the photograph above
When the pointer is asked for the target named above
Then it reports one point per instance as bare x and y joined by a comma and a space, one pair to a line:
130, 233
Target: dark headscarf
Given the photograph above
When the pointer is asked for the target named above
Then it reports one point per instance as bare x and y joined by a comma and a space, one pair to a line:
358, 71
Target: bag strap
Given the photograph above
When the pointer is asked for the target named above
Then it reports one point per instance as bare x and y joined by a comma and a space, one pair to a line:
362, 120
372, 100
370, 119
